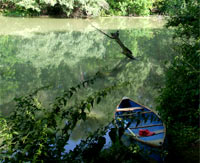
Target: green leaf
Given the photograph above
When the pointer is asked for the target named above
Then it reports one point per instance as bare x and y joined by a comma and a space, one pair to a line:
98, 100
89, 107
83, 116
73, 89
27, 147
65, 102
15, 133
70, 94
92, 102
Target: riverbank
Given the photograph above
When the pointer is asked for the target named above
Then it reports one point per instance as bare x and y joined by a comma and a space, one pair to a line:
24, 26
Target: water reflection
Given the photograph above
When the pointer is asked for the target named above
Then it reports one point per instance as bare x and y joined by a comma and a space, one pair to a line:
28, 26
65, 58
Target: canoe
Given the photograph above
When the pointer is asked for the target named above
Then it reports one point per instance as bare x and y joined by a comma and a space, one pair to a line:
141, 124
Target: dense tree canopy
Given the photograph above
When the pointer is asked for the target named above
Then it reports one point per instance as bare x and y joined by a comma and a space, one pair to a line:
88, 8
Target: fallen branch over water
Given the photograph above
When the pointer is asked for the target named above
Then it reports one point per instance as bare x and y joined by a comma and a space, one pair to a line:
128, 53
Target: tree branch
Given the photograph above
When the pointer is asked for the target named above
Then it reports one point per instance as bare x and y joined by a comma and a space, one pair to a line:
127, 52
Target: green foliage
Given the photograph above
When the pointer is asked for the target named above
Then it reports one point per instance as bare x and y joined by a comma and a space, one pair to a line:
65, 8
142, 7
186, 136
179, 99
79, 8
90, 149
130, 7
158, 6
35, 133
187, 21
171, 7
84, 8
180, 96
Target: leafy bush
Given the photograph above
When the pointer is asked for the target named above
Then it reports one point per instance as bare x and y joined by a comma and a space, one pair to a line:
179, 99
82, 8
142, 7
66, 8
180, 95
130, 7
171, 7
35, 133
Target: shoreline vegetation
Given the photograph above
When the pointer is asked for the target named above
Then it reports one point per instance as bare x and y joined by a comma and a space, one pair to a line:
85, 8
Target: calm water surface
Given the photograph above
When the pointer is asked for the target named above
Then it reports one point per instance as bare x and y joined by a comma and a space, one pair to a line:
35, 52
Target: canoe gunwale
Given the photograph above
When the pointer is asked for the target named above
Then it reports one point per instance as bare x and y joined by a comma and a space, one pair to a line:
134, 114
145, 142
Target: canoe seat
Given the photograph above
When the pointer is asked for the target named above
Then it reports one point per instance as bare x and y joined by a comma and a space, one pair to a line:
123, 115
159, 131
129, 109
160, 124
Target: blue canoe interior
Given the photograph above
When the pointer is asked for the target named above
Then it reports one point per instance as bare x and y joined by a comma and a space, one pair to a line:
139, 117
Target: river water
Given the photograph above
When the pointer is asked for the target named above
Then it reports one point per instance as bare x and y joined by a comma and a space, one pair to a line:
35, 52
